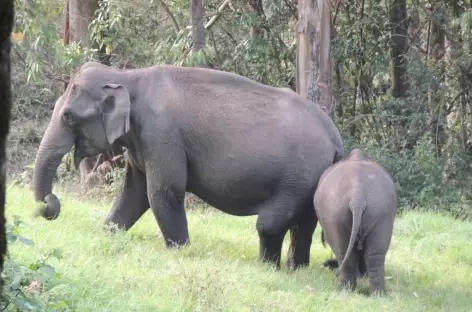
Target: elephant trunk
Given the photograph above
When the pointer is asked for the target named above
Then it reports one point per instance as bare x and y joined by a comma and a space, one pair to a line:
56, 142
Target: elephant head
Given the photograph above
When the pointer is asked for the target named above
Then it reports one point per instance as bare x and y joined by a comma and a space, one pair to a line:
92, 114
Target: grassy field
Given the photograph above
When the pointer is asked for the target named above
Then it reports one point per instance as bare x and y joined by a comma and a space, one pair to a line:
429, 265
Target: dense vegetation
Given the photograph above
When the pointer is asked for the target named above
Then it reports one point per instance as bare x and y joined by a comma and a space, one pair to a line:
421, 133
422, 137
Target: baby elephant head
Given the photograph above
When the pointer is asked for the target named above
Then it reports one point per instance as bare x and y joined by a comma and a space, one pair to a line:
357, 154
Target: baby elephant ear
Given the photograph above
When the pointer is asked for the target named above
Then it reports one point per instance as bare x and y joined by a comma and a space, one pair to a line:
115, 111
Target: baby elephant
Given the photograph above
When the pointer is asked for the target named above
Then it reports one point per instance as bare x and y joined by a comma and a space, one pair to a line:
356, 203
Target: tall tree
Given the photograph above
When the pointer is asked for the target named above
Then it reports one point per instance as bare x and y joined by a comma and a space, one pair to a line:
255, 7
66, 23
399, 26
82, 13
196, 15
78, 14
7, 12
314, 52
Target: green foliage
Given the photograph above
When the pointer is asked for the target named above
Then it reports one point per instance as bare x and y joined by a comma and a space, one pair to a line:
141, 32
27, 286
422, 178
42, 45
424, 139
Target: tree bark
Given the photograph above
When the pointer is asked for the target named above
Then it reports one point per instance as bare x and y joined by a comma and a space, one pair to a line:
255, 6
7, 13
82, 13
66, 23
314, 52
196, 15
170, 15
398, 20
436, 51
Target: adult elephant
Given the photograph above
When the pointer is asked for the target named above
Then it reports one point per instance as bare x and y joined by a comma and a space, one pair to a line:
241, 146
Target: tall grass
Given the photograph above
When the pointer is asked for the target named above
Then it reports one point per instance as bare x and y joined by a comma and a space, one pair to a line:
429, 265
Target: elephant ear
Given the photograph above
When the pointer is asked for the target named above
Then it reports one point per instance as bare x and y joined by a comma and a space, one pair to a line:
115, 111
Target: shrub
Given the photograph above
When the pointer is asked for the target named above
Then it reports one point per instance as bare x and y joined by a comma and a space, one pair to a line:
28, 285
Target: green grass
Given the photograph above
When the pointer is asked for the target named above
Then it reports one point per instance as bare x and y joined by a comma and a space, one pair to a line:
429, 265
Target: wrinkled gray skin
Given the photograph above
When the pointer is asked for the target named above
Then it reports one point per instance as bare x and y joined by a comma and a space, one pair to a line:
356, 203
241, 146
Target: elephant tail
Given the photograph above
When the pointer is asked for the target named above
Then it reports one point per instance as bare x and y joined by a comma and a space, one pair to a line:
357, 205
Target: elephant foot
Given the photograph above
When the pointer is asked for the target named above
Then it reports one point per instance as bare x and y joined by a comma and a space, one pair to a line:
111, 227
350, 284
171, 245
331, 264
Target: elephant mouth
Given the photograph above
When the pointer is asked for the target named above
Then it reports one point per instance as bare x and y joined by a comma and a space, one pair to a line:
85, 148
78, 154
77, 159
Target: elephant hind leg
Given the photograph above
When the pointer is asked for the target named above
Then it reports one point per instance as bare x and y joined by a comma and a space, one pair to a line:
132, 201
301, 236
376, 270
376, 246
270, 248
273, 222
348, 276
337, 235
362, 265
375, 263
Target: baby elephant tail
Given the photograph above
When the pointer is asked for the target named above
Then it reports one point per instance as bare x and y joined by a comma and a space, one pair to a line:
357, 206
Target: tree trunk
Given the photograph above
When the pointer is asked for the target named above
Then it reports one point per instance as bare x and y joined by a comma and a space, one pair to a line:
7, 14
255, 6
66, 23
196, 15
314, 52
82, 13
399, 47
436, 51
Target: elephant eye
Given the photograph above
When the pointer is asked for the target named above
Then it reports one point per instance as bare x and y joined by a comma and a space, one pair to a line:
69, 118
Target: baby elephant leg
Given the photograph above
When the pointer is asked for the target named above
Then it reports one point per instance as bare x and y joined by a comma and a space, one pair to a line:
375, 262
362, 267
332, 264
376, 247
348, 275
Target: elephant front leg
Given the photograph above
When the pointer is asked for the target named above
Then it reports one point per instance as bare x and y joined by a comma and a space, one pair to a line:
301, 238
168, 209
166, 193
132, 201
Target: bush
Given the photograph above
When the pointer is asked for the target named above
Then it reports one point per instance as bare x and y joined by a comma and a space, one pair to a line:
423, 178
27, 286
